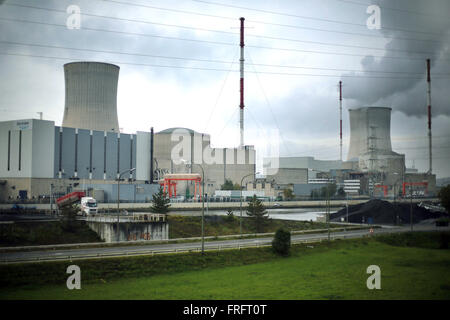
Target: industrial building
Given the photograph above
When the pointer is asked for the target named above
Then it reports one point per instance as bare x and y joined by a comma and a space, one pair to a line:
372, 167
89, 153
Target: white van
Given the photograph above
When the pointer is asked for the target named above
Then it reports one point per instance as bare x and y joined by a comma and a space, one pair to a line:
88, 206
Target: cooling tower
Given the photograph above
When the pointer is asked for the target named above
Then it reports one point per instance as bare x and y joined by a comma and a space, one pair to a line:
370, 130
91, 96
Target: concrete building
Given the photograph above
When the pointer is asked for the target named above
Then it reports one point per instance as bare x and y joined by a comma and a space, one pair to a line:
37, 154
177, 148
91, 96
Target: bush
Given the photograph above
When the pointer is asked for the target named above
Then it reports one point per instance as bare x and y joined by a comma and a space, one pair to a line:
282, 242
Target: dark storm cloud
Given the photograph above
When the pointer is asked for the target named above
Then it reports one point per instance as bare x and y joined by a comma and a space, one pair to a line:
408, 95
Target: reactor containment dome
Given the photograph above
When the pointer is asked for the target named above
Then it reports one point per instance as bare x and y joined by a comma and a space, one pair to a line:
91, 96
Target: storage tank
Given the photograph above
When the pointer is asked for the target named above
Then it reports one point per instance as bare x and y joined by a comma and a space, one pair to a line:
370, 131
91, 96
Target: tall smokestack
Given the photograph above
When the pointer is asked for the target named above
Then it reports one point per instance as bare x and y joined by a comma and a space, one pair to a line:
241, 104
429, 113
151, 154
340, 120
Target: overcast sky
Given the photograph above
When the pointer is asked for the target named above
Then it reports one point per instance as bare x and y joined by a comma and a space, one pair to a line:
179, 67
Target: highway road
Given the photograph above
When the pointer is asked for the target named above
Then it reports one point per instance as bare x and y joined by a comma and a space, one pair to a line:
116, 251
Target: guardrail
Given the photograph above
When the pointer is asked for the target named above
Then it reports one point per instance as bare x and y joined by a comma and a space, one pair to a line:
197, 248
149, 242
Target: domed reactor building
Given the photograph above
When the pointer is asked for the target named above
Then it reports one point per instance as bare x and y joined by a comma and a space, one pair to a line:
91, 96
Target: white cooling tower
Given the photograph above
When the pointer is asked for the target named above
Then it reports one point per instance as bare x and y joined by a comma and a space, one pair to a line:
91, 96
370, 141
370, 130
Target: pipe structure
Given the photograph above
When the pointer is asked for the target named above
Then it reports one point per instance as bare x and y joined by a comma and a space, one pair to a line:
429, 114
241, 104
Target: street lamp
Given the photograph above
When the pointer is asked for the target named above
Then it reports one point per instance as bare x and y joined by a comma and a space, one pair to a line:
240, 198
118, 196
203, 202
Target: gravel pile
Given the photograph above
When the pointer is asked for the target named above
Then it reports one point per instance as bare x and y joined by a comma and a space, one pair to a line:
383, 212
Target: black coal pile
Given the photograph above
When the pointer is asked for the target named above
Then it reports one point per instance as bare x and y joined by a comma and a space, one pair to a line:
383, 212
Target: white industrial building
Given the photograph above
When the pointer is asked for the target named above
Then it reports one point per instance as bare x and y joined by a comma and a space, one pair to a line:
88, 148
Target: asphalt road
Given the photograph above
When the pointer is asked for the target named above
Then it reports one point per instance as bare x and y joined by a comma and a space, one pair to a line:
81, 253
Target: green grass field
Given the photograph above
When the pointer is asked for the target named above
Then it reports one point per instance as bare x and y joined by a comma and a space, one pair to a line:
337, 271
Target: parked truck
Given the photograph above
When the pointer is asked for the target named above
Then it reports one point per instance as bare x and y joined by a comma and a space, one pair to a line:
69, 198
88, 206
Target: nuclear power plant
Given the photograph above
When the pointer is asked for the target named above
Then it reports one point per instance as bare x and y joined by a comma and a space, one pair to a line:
88, 152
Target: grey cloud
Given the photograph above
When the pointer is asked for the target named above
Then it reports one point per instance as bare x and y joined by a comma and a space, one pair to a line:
404, 94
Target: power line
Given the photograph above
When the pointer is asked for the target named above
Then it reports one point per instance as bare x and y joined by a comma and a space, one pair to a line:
212, 42
309, 18
396, 9
226, 32
207, 60
263, 22
213, 69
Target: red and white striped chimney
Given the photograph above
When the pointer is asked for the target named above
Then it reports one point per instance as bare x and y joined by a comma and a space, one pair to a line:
429, 113
241, 104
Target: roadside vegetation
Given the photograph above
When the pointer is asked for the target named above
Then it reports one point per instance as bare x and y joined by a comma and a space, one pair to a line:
42, 233
191, 226
335, 270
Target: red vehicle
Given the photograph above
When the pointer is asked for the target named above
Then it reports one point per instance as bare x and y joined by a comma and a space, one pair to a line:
70, 198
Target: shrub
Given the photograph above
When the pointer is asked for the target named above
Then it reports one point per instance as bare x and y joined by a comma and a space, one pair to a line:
282, 242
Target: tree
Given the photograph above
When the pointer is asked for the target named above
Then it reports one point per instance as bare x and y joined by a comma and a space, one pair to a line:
69, 217
236, 186
288, 194
228, 185
329, 190
161, 202
444, 196
257, 212
281, 243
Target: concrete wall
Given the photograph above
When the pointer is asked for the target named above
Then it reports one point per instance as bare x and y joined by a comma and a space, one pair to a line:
131, 231
289, 176
305, 189
174, 144
26, 149
299, 163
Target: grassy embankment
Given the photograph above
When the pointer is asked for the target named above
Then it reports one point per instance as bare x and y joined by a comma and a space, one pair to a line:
43, 233
326, 271
190, 226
